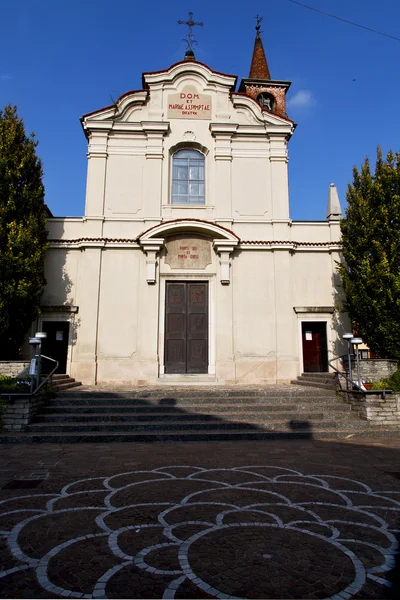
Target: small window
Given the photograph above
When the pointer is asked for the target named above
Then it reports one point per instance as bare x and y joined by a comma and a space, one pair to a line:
188, 177
266, 100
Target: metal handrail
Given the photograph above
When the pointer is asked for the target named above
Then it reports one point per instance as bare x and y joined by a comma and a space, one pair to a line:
351, 384
45, 380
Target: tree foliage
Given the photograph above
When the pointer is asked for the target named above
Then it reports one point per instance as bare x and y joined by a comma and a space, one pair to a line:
23, 236
370, 273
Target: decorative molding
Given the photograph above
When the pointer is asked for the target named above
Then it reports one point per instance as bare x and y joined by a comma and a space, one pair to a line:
185, 225
189, 136
151, 247
183, 69
314, 309
290, 243
223, 133
225, 249
179, 225
62, 308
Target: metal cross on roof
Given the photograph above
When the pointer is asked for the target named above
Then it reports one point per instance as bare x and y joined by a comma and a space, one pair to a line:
189, 39
259, 19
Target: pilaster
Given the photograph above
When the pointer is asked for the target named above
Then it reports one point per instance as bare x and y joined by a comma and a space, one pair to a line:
287, 362
147, 343
279, 178
223, 132
96, 174
152, 175
85, 355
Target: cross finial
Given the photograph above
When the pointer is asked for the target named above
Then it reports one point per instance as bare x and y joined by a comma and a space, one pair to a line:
189, 39
258, 19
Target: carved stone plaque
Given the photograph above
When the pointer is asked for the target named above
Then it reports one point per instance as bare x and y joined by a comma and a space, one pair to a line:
187, 252
189, 104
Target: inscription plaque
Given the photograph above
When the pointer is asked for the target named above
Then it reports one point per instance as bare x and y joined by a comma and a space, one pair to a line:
189, 104
188, 252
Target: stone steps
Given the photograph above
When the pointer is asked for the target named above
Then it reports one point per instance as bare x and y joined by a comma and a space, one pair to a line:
324, 381
168, 402
198, 436
199, 409
175, 426
61, 382
250, 416
290, 412
284, 391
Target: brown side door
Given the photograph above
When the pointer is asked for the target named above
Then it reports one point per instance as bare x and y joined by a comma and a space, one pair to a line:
55, 345
186, 327
315, 349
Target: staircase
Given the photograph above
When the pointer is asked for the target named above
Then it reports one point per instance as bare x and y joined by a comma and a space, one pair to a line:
325, 381
275, 412
60, 383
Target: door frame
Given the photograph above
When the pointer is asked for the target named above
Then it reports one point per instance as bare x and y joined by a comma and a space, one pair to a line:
187, 278
64, 318
314, 317
323, 360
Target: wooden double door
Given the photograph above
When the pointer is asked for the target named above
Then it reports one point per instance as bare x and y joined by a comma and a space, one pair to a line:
186, 327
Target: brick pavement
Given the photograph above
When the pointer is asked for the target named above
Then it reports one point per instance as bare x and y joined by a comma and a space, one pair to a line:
279, 519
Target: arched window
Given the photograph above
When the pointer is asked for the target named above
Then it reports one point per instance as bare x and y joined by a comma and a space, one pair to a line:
266, 100
187, 177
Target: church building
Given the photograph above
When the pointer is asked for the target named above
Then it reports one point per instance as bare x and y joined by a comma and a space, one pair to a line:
186, 266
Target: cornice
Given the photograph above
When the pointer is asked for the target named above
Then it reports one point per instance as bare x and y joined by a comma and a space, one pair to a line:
287, 244
123, 102
59, 308
224, 129
183, 68
292, 246
314, 309
179, 225
80, 243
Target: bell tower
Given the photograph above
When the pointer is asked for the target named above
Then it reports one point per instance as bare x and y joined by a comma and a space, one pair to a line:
269, 93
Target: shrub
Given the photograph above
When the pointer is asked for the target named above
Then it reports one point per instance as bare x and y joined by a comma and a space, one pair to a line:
393, 383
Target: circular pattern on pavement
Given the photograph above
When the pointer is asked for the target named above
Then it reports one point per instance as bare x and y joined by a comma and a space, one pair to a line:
176, 532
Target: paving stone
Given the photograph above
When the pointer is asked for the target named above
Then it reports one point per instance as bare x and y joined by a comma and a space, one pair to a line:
245, 519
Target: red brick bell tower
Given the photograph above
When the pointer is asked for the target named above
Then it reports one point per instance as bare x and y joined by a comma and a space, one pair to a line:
269, 93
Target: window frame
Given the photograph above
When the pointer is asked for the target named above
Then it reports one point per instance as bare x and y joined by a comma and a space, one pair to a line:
198, 155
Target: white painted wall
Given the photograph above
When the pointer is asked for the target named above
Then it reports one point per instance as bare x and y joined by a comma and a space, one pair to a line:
276, 265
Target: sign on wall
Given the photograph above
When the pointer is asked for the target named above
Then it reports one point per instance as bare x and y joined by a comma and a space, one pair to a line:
189, 104
187, 252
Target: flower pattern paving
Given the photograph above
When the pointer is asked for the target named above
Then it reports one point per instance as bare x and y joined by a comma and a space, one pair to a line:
191, 532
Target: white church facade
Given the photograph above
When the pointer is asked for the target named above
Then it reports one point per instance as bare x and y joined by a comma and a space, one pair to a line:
186, 265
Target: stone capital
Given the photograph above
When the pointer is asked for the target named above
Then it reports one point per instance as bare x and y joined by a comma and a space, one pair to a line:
151, 247
224, 248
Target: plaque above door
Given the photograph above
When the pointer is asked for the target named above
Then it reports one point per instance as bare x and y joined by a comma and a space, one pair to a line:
187, 252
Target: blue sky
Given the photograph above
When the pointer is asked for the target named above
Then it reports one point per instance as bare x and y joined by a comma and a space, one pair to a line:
60, 60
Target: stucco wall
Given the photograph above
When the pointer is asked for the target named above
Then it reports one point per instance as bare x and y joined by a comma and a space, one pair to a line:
100, 263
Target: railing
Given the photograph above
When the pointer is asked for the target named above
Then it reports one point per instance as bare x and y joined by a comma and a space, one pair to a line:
349, 382
351, 385
41, 384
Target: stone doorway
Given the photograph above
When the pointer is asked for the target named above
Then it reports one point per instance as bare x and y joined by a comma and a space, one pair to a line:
315, 347
55, 345
186, 327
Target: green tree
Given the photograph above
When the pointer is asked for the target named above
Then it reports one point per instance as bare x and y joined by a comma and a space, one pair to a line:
370, 273
23, 236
